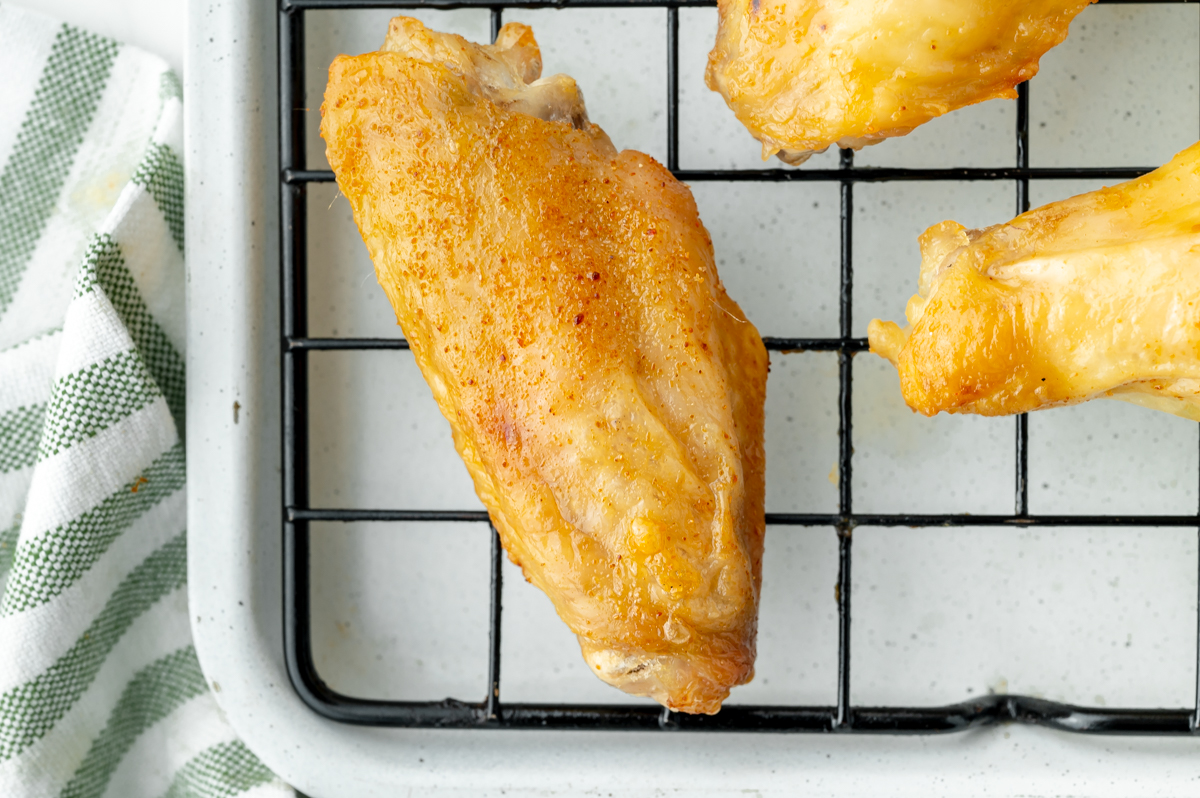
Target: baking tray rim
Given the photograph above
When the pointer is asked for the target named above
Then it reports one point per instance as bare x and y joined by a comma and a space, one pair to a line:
234, 572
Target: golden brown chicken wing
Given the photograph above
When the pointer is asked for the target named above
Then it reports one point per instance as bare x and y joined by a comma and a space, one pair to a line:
802, 75
562, 302
1097, 295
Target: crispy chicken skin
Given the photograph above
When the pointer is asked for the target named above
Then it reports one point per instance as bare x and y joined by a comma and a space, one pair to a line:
562, 302
1097, 295
803, 75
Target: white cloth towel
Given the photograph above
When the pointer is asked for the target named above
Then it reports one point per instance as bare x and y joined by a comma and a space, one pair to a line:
101, 693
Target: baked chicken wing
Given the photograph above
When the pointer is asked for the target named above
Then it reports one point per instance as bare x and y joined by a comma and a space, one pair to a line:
562, 302
1097, 295
803, 75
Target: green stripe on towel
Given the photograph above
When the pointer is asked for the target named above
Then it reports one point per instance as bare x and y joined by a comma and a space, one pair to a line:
8, 547
104, 266
20, 430
29, 711
89, 401
54, 126
149, 697
51, 562
161, 174
224, 770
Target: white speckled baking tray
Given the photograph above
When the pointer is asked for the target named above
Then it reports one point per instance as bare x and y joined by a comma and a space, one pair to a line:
1089, 616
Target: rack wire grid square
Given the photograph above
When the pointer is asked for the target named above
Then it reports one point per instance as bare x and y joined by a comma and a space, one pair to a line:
842, 176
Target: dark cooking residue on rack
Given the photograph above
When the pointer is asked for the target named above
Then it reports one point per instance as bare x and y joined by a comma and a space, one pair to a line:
492, 713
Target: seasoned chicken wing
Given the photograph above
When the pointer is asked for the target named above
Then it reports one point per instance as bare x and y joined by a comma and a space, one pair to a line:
1097, 295
803, 75
562, 302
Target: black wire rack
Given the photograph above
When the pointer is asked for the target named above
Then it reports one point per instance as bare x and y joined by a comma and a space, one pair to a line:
492, 712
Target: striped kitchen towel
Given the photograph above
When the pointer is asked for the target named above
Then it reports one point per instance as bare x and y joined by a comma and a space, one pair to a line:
101, 693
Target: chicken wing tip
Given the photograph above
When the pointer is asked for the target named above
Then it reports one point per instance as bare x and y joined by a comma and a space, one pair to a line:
507, 72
